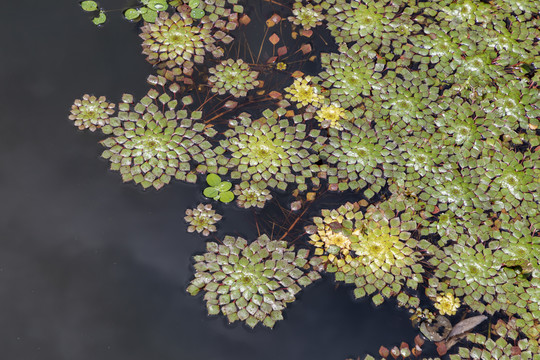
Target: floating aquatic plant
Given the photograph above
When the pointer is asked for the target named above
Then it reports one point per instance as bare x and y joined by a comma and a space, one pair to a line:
304, 93
372, 249
234, 77
217, 189
447, 304
355, 157
152, 143
350, 76
253, 282
202, 219
251, 195
175, 41
331, 115
474, 274
274, 151
91, 112
308, 16
485, 348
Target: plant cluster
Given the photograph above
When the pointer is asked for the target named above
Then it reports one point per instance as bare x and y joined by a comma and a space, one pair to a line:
273, 151
251, 195
252, 282
91, 112
372, 249
153, 142
234, 77
202, 219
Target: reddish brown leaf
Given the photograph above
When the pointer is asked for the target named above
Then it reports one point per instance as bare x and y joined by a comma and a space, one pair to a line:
416, 351
274, 39
275, 95
404, 345
297, 74
516, 350
282, 50
418, 340
306, 33
395, 352
275, 18
272, 60
306, 48
244, 20
384, 352
441, 348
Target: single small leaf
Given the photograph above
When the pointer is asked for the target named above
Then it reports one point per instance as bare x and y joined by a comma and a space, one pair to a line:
213, 179
131, 14
274, 39
100, 19
158, 5
384, 352
227, 197
194, 3
149, 15
197, 13
89, 5
211, 192
224, 186
466, 325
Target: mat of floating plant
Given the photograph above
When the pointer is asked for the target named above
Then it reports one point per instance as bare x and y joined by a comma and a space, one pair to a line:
428, 109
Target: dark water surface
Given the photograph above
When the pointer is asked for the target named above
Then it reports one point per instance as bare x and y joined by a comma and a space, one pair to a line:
91, 268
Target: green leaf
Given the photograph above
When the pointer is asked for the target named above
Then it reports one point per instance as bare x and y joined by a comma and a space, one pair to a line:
100, 19
197, 13
131, 14
224, 186
213, 179
211, 192
89, 5
227, 197
150, 15
158, 5
194, 3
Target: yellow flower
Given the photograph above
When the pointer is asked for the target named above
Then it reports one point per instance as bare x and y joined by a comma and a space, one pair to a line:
329, 115
304, 93
281, 66
447, 304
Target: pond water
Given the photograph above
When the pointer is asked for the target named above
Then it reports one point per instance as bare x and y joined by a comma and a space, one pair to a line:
93, 268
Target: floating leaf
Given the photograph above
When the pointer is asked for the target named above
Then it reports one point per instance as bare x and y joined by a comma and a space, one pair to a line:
89, 5
274, 39
467, 325
100, 19
213, 179
131, 14
226, 197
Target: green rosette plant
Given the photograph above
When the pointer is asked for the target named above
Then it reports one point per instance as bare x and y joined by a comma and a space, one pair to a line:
91, 112
272, 151
307, 16
497, 347
367, 22
234, 77
474, 273
354, 157
175, 41
251, 195
252, 282
152, 143
372, 249
202, 219
351, 76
